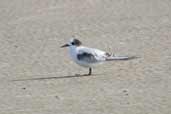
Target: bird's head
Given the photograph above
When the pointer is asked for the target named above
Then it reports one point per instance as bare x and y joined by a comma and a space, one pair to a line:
73, 42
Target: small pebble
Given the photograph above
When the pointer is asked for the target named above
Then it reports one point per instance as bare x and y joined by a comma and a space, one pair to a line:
126, 94
125, 91
56, 97
23, 88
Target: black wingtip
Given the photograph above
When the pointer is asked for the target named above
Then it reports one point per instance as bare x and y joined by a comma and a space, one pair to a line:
133, 57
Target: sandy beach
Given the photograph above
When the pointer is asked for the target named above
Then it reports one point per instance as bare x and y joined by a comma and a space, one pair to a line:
37, 76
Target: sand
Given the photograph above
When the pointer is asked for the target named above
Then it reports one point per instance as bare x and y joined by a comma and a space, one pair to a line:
37, 76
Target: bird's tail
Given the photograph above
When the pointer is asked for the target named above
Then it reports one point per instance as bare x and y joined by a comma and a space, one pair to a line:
115, 58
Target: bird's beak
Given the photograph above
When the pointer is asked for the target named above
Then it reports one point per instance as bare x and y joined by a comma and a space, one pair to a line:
65, 45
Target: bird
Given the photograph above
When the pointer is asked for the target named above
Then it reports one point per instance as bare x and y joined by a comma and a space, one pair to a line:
88, 57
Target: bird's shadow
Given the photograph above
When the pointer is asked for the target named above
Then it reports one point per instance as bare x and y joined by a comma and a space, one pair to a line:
61, 77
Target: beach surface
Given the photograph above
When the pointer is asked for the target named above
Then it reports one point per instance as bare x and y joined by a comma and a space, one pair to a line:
38, 77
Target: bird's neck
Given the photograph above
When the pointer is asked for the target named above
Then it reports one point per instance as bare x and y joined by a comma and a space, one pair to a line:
72, 50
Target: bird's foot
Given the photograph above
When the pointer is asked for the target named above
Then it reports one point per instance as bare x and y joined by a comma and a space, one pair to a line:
86, 74
82, 74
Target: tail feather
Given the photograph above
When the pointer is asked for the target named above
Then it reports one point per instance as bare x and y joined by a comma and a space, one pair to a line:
112, 58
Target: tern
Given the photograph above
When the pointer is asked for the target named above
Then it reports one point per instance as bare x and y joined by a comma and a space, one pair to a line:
88, 57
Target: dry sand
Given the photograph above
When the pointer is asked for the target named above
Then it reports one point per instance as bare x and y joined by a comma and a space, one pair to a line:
31, 32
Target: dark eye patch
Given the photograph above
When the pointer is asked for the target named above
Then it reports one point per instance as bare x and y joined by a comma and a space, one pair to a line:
76, 42
73, 43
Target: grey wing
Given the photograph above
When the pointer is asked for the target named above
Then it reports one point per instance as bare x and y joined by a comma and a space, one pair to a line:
86, 56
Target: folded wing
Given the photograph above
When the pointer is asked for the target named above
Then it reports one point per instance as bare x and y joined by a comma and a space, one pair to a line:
90, 55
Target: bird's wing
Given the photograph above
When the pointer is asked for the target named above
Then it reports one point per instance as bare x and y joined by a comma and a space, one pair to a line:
90, 55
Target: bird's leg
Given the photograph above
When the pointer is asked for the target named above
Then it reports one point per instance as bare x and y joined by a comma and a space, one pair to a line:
90, 71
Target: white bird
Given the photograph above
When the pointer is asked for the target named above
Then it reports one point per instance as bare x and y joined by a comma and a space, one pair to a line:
88, 57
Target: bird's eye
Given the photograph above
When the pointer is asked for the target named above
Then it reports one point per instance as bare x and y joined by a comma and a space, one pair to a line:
73, 43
